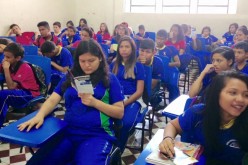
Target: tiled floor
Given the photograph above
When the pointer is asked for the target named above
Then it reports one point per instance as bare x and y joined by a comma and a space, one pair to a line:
10, 153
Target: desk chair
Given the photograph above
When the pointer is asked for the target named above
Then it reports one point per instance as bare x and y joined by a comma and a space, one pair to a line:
105, 49
45, 64
12, 38
36, 137
30, 50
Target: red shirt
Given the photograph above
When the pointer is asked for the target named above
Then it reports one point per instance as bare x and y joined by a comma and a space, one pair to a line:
179, 45
105, 36
40, 40
26, 38
25, 79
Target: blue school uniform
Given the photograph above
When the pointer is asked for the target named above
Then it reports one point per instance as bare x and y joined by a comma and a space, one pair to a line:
191, 125
66, 41
1, 57
89, 136
243, 70
228, 36
168, 51
210, 39
63, 58
132, 110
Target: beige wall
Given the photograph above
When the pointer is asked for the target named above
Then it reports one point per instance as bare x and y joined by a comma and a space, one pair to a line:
28, 12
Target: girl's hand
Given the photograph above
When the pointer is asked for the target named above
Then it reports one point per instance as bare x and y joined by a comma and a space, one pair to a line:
88, 99
208, 68
37, 120
167, 147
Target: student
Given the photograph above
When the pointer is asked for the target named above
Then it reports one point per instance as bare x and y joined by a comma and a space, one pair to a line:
222, 59
190, 38
82, 24
241, 34
176, 38
71, 37
104, 34
147, 52
61, 61
169, 51
20, 80
141, 35
57, 29
131, 76
46, 35
68, 23
228, 36
24, 38
241, 55
209, 38
115, 31
85, 35
3, 43
220, 125
89, 137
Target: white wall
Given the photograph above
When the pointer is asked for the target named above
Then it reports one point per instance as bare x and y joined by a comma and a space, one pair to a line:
27, 13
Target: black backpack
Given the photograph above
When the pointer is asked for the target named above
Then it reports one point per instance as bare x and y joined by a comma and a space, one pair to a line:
40, 78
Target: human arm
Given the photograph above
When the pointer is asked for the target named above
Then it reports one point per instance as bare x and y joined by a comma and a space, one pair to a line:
60, 68
137, 94
46, 108
171, 130
197, 85
176, 62
10, 83
10, 32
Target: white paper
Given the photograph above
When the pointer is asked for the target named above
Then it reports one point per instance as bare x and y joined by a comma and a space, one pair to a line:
83, 84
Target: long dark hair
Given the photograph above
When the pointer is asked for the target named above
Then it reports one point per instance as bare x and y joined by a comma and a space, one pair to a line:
180, 35
212, 118
226, 52
129, 66
101, 74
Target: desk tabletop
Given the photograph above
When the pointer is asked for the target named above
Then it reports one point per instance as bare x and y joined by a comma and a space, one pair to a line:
176, 107
151, 146
35, 137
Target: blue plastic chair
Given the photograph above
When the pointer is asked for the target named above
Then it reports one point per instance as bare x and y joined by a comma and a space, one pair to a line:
30, 50
152, 35
105, 49
13, 38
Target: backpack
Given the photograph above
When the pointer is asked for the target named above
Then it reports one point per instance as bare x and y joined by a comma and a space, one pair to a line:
40, 78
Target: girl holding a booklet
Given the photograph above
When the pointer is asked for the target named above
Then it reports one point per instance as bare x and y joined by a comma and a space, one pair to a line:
89, 136
220, 125
131, 76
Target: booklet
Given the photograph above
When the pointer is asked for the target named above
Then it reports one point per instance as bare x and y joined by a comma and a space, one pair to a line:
83, 84
185, 154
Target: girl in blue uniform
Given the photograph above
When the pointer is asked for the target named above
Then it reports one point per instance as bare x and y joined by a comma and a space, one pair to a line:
131, 76
222, 59
220, 126
88, 138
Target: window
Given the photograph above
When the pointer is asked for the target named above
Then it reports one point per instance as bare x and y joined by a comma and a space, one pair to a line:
181, 6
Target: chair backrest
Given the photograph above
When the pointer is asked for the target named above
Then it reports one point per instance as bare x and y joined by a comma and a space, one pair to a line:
43, 62
30, 50
185, 60
152, 35
13, 38
105, 49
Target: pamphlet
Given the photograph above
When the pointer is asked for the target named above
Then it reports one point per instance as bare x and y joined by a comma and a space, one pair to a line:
83, 84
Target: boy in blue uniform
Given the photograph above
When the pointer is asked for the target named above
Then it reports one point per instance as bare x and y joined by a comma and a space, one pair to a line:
61, 61
241, 55
89, 136
171, 53
147, 57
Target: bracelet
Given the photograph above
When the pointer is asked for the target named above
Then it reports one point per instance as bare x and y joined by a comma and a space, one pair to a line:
168, 137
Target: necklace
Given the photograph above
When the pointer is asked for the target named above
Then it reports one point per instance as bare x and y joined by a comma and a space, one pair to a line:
228, 125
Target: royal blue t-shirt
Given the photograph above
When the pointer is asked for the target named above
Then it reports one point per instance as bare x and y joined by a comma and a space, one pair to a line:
64, 58
243, 70
169, 51
228, 36
129, 85
85, 120
191, 122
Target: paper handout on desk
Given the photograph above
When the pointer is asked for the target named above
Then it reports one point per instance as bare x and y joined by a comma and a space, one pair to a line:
184, 155
83, 84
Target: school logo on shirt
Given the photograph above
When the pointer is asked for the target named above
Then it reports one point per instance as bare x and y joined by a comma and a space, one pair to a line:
233, 144
19, 76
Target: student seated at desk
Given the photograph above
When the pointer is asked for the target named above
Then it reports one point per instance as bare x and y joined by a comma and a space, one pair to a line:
222, 59
3, 43
20, 80
241, 55
131, 76
61, 61
147, 57
220, 126
89, 137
